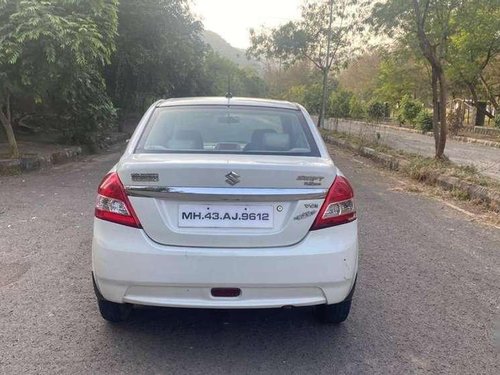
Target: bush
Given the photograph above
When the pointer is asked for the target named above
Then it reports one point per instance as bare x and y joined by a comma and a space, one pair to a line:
356, 108
340, 104
497, 121
87, 112
409, 109
296, 94
312, 98
376, 110
424, 121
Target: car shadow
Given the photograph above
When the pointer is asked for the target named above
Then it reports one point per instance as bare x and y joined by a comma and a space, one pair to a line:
234, 341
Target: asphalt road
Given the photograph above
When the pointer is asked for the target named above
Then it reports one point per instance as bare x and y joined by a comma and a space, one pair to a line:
486, 159
426, 302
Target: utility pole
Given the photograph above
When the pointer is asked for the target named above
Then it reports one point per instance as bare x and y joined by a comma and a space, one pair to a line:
326, 69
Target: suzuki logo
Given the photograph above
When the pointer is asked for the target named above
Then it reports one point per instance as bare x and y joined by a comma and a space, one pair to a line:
232, 178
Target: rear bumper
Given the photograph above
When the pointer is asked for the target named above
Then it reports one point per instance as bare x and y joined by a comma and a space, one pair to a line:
130, 268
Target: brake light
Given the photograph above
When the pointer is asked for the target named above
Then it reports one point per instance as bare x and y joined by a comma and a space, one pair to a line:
112, 203
339, 207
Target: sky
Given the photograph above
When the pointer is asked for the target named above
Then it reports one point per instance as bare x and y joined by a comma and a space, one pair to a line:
232, 19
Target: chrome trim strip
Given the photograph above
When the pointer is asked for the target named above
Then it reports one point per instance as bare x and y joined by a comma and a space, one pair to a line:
225, 194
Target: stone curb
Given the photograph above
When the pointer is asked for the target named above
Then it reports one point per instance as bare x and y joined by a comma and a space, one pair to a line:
477, 192
457, 138
474, 191
35, 161
482, 142
386, 160
10, 166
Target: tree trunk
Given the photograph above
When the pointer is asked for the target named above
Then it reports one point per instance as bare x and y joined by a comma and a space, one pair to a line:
490, 95
324, 98
443, 99
7, 125
475, 101
439, 89
435, 109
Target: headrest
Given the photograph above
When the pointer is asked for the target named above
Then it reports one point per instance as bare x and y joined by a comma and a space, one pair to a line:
186, 140
259, 133
276, 142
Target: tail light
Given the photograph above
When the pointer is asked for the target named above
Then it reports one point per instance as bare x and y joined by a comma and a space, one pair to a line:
339, 207
112, 203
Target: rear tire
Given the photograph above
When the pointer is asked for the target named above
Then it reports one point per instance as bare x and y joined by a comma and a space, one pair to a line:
338, 312
111, 311
333, 314
114, 312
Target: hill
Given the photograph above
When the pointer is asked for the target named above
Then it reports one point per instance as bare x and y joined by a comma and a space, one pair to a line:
223, 48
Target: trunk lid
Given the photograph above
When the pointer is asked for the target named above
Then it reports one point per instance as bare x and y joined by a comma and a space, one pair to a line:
232, 201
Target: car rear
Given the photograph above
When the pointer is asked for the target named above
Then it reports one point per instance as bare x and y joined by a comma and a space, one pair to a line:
225, 204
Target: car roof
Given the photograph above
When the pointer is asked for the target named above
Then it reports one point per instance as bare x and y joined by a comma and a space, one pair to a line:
250, 102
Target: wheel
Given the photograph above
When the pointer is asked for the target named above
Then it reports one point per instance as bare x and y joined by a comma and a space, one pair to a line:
338, 312
111, 311
114, 312
335, 313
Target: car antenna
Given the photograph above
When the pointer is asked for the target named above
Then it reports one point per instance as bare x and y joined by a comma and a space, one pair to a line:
229, 94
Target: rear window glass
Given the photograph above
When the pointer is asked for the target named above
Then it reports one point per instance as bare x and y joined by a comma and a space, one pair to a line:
222, 129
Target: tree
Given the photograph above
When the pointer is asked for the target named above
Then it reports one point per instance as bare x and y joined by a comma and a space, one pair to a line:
220, 73
428, 25
356, 108
360, 77
281, 80
400, 73
376, 110
325, 36
340, 103
409, 110
296, 94
160, 53
54, 51
474, 48
492, 77
8, 86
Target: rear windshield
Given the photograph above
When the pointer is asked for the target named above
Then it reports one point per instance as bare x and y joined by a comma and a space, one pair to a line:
230, 130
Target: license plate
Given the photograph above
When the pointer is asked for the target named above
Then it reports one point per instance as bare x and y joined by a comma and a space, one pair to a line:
225, 216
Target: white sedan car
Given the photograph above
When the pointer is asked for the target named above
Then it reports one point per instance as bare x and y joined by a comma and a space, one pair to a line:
225, 203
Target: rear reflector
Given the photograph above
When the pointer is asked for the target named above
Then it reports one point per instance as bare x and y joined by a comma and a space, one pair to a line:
339, 207
112, 204
226, 292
